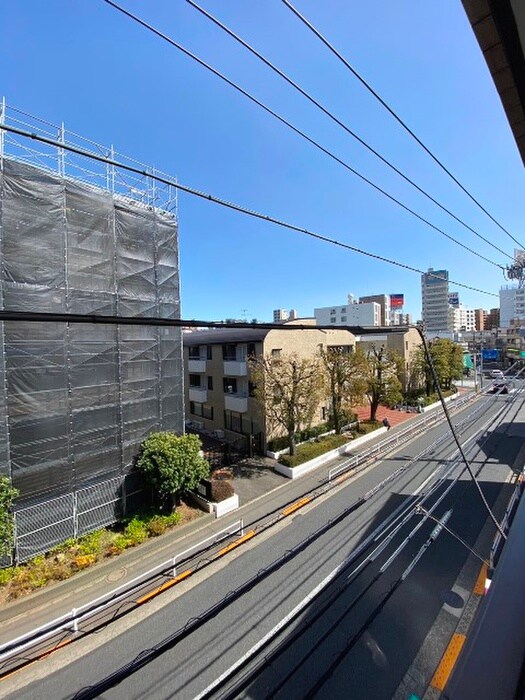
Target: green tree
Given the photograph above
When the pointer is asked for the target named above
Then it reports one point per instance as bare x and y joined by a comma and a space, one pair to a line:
7, 497
447, 358
345, 382
172, 463
288, 388
383, 385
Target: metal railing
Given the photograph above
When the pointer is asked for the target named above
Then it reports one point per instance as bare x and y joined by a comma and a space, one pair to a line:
63, 629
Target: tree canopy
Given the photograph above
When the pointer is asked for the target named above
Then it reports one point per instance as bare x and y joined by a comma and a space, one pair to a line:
447, 358
172, 463
289, 390
383, 368
345, 382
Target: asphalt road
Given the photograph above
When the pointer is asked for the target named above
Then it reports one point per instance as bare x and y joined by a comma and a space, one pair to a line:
361, 634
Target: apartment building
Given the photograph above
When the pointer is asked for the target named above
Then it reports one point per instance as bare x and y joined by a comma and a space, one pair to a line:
435, 301
351, 314
404, 342
218, 391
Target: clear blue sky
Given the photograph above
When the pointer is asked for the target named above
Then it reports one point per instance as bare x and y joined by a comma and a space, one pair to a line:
107, 78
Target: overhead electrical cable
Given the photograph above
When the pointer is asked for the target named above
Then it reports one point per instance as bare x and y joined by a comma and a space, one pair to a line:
304, 135
389, 109
232, 205
335, 119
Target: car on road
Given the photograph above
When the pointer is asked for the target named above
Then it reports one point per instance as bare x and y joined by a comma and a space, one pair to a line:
496, 374
503, 385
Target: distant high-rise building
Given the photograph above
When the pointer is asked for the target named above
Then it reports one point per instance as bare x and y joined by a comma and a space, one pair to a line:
397, 318
481, 319
511, 304
350, 314
384, 302
492, 320
280, 315
463, 319
435, 301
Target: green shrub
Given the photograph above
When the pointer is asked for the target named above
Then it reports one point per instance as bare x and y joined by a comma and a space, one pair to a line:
91, 544
313, 449
221, 490
156, 526
368, 426
136, 531
281, 442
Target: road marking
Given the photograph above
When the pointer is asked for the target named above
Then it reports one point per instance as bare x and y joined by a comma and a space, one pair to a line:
296, 506
42, 656
479, 588
448, 662
164, 586
232, 545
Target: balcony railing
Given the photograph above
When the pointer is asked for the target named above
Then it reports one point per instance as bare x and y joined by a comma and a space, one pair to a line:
235, 368
198, 394
196, 365
236, 402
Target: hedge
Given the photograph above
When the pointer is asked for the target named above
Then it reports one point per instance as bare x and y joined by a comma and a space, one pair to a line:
311, 450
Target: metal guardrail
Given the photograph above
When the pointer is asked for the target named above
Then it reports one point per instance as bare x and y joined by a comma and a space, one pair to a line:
386, 446
505, 522
56, 633
63, 630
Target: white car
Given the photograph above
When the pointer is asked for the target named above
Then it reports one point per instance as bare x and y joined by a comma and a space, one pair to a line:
496, 374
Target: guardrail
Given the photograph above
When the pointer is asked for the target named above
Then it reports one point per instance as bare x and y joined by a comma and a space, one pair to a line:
389, 444
66, 628
57, 633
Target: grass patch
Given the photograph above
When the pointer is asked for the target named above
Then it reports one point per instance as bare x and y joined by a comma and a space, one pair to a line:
367, 426
72, 556
311, 450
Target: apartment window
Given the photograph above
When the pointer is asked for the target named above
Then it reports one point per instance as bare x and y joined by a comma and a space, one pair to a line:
210, 383
195, 379
343, 310
343, 319
229, 352
332, 311
251, 350
276, 352
229, 385
201, 410
233, 421
332, 319
208, 352
194, 352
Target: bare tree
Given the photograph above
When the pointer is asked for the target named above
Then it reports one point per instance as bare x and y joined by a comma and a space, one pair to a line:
383, 385
346, 383
289, 390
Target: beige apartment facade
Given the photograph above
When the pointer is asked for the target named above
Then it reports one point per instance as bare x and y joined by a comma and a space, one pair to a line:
218, 392
404, 342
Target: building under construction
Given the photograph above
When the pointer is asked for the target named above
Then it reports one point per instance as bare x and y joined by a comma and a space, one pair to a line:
77, 400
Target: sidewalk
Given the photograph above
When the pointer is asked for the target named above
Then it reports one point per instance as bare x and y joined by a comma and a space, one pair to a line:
260, 489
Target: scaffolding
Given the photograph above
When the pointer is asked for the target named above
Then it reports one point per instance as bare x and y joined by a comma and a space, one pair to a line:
76, 401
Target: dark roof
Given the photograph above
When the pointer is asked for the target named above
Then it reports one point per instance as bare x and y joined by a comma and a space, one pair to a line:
225, 335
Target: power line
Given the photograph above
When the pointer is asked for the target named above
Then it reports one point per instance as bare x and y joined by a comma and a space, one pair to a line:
396, 116
284, 121
233, 205
346, 128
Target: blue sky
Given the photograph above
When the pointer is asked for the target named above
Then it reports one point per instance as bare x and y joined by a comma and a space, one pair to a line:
85, 64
